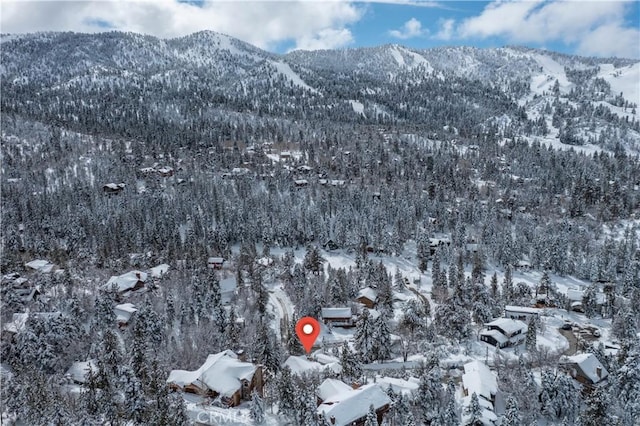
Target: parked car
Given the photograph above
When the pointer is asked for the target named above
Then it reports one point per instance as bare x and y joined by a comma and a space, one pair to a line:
566, 326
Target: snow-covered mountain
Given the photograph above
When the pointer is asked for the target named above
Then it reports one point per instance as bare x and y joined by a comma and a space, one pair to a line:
513, 91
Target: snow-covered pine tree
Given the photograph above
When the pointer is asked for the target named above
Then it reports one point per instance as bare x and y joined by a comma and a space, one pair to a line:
364, 337
372, 418
474, 412
511, 413
382, 338
532, 333
257, 412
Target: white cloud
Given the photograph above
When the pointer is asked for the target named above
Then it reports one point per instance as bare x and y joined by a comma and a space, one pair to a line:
446, 29
586, 24
328, 38
412, 28
262, 23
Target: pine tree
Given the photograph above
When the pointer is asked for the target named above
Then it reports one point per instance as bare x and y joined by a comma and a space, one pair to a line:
257, 412
382, 338
511, 413
364, 337
507, 285
589, 301
351, 369
286, 393
372, 418
474, 411
532, 332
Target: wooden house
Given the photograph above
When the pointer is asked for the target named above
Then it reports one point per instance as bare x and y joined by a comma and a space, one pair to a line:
349, 407
113, 188
222, 377
337, 317
215, 262
585, 368
368, 297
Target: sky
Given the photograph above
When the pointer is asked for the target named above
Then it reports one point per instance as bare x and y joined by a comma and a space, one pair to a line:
588, 27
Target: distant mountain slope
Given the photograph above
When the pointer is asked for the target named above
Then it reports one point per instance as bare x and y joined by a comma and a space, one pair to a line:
505, 92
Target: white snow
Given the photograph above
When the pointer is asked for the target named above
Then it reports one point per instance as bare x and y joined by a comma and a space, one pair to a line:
624, 79
159, 271
124, 311
300, 364
478, 379
552, 70
345, 407
406, 387
79, 370
40, 265
222, 373
358, 107
331, 387
286, 70
126, 281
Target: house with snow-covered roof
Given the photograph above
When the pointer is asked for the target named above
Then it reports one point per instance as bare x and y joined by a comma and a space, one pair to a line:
368, 297
478, 379
223, 377
331, 387
124, 312
125, 283
337, 317
522, 313
585, 368
349, 407
504, 332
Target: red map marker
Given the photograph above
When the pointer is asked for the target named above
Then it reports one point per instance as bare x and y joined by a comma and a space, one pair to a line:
307, 330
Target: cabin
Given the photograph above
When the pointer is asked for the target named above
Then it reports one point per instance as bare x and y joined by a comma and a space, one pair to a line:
368, 297
504, 332
478, 379
349, 407
337, 317
215, 262
301, 183
124, 312
166, 171
585, 368
79, 370
521, 313
330, 245
41, 265
113, 188
575, 299
223, 377
435, 243
126, 283
522, 265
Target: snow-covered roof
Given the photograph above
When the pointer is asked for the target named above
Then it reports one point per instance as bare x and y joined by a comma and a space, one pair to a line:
325, 359
329, 313
405, 387
126, 281
479, 379
124, 311
78, 370
216, 260
41, 265
576, 296
221, 373
499, 337
300, 364
522, 309
331, 387
17, 324
19, 320
347, 406
508, 325
301, 182
160, 270
115, 186
368, 293
264, 261
589, 364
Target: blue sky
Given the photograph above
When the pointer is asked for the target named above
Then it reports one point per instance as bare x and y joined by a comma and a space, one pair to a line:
587, 27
